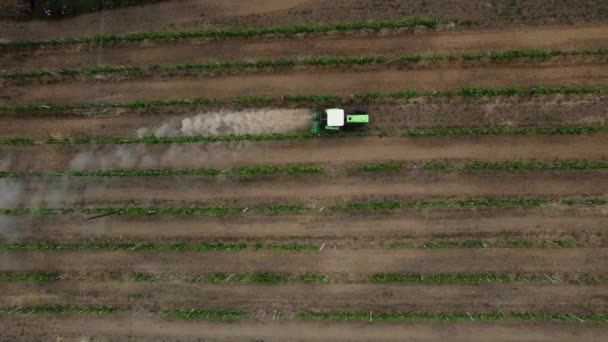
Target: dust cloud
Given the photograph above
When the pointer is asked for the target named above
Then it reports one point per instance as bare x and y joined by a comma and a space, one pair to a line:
165, 156
252, 121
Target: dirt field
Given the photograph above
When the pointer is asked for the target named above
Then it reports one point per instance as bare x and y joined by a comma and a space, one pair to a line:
184, 14
580, 37
472, 247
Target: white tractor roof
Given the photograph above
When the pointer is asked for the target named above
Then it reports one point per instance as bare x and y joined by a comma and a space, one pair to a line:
335, 117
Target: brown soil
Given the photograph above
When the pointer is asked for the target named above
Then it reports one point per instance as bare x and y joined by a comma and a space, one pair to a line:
140, 327
342, 150
442, 78
204, 190
387, 116
552, 37
329, 261
184, 14
346, 229
289, 298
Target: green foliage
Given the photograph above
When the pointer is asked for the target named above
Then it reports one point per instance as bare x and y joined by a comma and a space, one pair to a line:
447, 278
203, 314
454, 244
25, 74
38, 277
37, 212
488, 202
324, 99
142, 277
437, 165
131, 246
541, 90
499, 56
220, 246
267, 170
379, 167
257, 170
296, 247
150, 211
56, 310
227, 32
344, 60
311, 99
565, 243
311, 278
366, 206
266, 278
537, 165
16, 141
281, 208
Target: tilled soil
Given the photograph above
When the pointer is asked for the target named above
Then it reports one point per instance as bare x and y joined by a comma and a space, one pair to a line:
187, 14
345, 229
330, 82
389, 116
140, 327
586, 37
205, 190
289, 298
355, 262
360, 150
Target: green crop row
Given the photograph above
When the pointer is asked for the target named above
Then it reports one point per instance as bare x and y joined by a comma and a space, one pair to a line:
419, 316
311, 61
242, 171
203, 314
38, 277
504, 130
537, 165
221, 246
319, 98
440, 278
151, 246
55, 310
297, 208
268, 278
379, 167
488, 202
485, 244
325, 316
226, 33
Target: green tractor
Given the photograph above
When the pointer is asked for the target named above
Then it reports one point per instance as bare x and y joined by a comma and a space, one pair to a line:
335, 120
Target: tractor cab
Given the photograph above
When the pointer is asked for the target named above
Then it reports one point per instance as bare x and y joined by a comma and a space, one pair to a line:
336, 119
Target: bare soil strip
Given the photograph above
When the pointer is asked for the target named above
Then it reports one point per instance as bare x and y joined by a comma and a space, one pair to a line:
153, 329
357, 263
563, 38
342, 150
332, 82
387, 116
311, 297
239, 191
163, 15
545, 223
